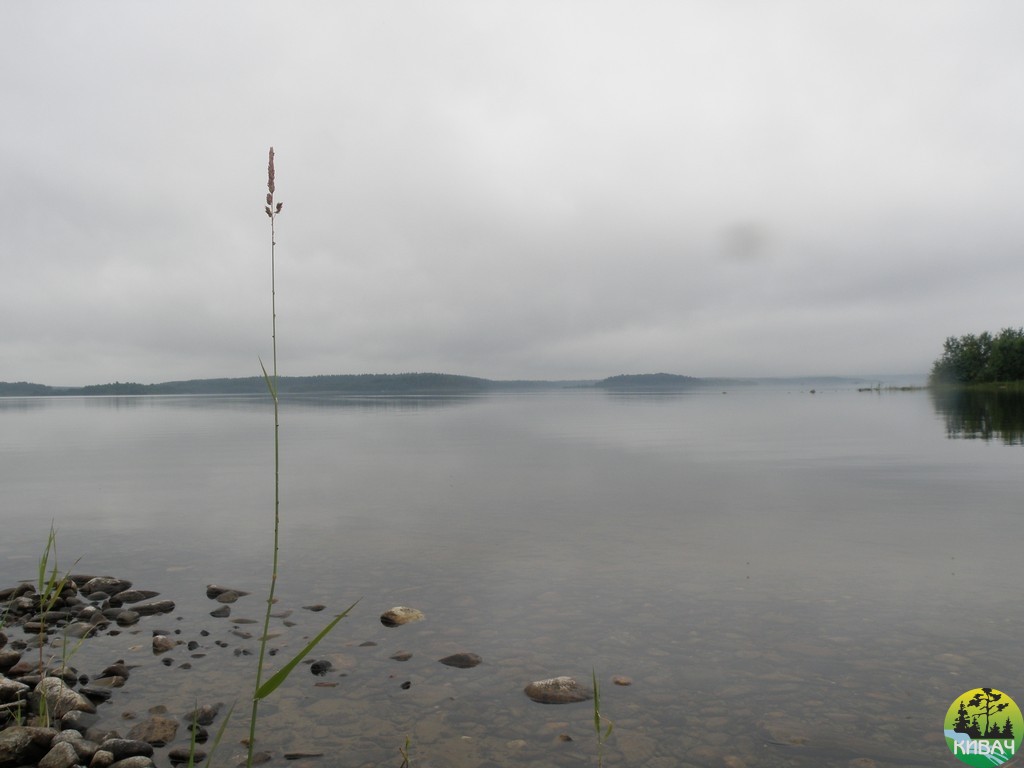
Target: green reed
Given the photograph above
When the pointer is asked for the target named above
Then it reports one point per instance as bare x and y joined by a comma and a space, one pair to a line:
50, 585
601, 733
404, 752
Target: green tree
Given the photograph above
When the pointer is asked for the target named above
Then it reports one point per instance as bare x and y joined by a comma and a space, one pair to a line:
982, 358
1006, 361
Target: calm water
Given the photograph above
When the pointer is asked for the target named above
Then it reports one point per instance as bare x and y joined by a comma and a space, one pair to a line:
787, 578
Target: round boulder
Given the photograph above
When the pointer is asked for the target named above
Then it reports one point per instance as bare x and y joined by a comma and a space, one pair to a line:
61, 699
558, 690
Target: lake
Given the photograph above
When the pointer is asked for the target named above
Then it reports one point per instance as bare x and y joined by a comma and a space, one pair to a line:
786, 578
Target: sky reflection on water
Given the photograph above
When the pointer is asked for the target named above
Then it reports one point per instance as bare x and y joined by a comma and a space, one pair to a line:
766, 549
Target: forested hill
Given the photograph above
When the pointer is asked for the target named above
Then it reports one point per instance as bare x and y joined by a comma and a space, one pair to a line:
662, 382
368, 383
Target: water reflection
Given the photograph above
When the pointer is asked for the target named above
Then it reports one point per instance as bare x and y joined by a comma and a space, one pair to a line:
378, 402
243, 402
973, 415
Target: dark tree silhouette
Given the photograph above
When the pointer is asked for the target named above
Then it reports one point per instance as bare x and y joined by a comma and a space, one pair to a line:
961, 725
987, 702
974, 730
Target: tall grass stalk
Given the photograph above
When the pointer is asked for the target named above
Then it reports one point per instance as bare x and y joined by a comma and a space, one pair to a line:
263, 688
272, 209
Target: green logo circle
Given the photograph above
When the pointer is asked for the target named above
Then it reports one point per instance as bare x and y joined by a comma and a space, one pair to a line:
984, 727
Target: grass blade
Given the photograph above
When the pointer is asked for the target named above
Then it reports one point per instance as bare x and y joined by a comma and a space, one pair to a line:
218, 736
266, 378
282, 674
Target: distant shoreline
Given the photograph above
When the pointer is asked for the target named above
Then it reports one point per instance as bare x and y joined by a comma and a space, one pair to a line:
431, 383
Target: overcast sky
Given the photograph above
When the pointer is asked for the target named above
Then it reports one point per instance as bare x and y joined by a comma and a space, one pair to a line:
557, 189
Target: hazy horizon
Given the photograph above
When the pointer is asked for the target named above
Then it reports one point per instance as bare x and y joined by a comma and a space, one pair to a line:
884, 378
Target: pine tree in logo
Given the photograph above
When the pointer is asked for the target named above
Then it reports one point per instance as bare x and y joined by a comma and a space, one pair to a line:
984, 727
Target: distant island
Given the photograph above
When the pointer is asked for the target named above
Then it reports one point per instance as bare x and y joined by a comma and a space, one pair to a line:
663, 382
407, 384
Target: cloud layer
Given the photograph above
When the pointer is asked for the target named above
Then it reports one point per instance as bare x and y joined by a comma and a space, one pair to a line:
509, 190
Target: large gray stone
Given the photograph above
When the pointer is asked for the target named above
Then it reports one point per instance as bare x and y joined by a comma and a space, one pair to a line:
62, 755
22, 745
11, 690
62, 699
84, 748
558, 690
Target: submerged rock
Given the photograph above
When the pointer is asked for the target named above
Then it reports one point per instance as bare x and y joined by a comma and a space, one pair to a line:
205, 714
214, 592
320, 667
399, 615
163, 643
179, 755
558, 690
157, 730
132, 596
461, 660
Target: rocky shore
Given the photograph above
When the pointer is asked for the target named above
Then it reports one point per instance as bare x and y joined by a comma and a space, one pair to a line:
50, 711
48, 708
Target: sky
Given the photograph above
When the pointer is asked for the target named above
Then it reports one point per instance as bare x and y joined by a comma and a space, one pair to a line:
566, 189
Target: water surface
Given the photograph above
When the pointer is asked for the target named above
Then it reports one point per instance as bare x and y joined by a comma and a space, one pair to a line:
788, 578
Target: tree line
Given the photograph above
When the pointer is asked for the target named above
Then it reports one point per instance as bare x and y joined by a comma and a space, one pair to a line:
982, 358
384, 383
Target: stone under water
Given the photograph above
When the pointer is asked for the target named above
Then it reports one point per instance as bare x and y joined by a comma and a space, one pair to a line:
558, 690
399, 615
